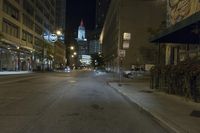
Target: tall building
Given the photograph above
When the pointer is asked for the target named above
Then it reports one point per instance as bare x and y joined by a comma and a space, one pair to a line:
101, 11
81, 32
61, 19
60, 47
81, 40
24, 26
82, 46
94, 47
93, 36
134, 17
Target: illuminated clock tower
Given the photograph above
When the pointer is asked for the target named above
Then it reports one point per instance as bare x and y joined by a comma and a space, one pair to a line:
81, 31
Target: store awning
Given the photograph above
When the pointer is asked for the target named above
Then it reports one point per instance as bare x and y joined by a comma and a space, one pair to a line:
187, 32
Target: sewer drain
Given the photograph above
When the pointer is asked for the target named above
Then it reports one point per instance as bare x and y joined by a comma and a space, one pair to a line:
195, 113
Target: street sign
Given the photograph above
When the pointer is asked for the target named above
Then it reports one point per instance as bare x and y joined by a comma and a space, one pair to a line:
126, 36
126, 44
122, 53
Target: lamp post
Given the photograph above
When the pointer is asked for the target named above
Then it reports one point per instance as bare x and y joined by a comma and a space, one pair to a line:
51, 38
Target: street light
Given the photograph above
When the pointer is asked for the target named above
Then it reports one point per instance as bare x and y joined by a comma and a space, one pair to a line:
58, 32
72, 56
75, 53
72, 47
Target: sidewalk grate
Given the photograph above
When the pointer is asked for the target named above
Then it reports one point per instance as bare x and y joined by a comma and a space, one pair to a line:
195, 113
146, 91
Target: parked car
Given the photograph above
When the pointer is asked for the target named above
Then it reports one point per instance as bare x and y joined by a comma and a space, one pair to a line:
100, 70
133, 73
127, 73
67, 69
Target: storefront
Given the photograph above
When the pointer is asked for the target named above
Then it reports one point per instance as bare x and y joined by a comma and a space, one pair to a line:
181, 76
14, 58
184, 38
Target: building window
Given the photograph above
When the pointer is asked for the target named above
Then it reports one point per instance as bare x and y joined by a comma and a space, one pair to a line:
46, 26
27, 21
38, 29
46, 14
10, 10
10, 28
47, 4
27, 36
38, 43
28, 7
38, 19
39, 5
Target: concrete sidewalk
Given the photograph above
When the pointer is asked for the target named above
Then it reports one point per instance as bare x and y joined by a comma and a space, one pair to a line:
14, 72
177, 113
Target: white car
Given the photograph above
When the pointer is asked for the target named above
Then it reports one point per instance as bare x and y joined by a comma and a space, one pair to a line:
67, 69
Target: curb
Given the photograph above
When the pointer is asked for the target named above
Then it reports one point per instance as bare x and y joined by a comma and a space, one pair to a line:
14, 73
155, 117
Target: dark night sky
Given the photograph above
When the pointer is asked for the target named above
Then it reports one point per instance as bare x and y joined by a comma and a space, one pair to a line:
80, 9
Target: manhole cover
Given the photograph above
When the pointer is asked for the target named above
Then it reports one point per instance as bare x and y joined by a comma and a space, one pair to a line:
195, 113
146, 91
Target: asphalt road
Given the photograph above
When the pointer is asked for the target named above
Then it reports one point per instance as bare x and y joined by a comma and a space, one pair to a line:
76, 102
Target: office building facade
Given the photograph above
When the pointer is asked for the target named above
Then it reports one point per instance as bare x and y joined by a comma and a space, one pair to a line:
134, 17
24, 25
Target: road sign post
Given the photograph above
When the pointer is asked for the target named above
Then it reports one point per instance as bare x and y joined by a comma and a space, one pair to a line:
122, 53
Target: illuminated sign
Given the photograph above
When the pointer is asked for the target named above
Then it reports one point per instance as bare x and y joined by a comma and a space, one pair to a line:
50, 37
126, 44
85, 59
53, 37
127, 36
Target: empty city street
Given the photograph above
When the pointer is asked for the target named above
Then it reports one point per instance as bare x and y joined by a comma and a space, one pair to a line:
75, 102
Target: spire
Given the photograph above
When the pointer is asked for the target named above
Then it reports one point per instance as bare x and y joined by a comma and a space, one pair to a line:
81, 24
